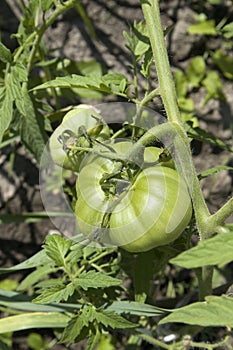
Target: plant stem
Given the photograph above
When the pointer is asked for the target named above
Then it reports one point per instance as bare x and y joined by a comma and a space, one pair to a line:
166, 83
205, 276
154, 93
222, 214
58, 11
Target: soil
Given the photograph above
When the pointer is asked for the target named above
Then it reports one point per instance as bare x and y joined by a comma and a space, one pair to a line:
69, 37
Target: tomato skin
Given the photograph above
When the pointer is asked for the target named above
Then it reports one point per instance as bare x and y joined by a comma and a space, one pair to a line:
81, 116
152, 211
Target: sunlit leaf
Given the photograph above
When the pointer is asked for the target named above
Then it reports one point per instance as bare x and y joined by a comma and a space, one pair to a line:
213, 312
213, 251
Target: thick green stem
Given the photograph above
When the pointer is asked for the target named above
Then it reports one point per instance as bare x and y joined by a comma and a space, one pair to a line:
166, 83
205, 276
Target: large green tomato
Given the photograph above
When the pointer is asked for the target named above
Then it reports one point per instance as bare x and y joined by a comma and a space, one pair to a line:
137, 209
79, 128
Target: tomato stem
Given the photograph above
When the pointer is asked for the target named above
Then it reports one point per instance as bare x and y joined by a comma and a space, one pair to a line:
166, 83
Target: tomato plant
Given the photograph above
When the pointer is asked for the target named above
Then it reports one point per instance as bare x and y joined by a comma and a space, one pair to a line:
125, 205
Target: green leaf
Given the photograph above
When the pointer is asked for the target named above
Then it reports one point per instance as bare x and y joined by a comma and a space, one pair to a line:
6, 109
35, 276
38, 259
75, 327
213, 251
56, 247
214, 170
32, 126
199, 134
181, 83
47, 4
137, 40
36, 342
146, 64
213, 86
55, 294
113, 78
227, 30
196, 71
213, 312
33, 320
134, 308
110, 319
5, 54
224, 63
22, 302
93, 279
203, 28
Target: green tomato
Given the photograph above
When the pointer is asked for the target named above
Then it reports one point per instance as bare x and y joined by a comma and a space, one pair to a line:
79, 128
135, 209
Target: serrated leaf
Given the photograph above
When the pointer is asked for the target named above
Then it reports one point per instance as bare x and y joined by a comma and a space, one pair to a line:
5, 54
134, 308
24, 303
38, 259
55, 294
32, 126
56, 247
6, 110
213, 251
75, 327
113, 78
33, 320
203, 28
214, 312
146, 64
75, 81
93, 279
110, 319
213, 170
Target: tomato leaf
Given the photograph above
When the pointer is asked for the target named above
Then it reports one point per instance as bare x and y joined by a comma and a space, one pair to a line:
6, 107
203, 28
214, 311
5, 54
196, 71
38, 259
214, 88
32, 128
55, 294
213, 251
110, 319
92, 279
56, 248
134, 308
